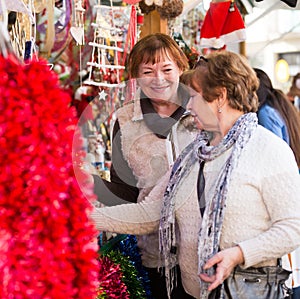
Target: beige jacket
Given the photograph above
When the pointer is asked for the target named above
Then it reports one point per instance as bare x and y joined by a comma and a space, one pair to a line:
150, 157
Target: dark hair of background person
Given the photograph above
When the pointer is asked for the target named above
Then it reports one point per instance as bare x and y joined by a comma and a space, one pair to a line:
152, 48
278, 100
294, 91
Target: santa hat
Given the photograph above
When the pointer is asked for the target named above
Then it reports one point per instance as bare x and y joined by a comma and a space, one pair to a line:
222, 24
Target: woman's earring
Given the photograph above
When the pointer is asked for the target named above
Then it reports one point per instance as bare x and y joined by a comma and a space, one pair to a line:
219, 105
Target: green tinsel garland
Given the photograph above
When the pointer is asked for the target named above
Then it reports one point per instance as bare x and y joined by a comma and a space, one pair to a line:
130, 275
102, 295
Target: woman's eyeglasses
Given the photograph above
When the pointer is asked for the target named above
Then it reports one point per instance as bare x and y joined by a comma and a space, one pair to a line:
201, 61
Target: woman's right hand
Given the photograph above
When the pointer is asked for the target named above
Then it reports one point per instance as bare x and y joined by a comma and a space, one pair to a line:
225, 260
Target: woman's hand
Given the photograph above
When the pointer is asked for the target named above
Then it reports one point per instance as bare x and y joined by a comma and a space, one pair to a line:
225, 262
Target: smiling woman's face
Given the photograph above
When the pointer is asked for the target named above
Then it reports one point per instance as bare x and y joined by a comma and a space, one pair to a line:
159, 81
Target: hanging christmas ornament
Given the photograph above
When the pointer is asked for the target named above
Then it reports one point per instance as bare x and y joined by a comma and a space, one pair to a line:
146, 7
16, 5
140, 18
149, 2
158, 2
139, 22
102, 95
77, 30
53, 27
170, 9
132, 2
223, 24
39, 5
109, 31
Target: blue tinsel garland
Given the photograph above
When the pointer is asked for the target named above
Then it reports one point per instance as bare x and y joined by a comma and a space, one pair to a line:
128, 247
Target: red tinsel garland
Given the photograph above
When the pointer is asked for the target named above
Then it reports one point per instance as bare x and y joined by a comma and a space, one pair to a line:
110, 277
46, 246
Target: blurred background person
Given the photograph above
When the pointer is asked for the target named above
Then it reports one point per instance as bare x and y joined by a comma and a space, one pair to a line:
277, 114
294, 92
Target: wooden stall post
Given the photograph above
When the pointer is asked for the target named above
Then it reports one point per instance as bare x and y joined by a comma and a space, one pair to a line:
153, 23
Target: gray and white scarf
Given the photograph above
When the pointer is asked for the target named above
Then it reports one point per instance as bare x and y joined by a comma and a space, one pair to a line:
200, 150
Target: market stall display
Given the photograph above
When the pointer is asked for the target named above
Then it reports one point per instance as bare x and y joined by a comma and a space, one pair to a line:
60, 62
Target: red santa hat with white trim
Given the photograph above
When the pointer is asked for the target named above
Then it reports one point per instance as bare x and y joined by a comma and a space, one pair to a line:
222, 25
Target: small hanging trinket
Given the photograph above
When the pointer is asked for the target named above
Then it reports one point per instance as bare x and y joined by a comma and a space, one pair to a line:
77, 31
231, 8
